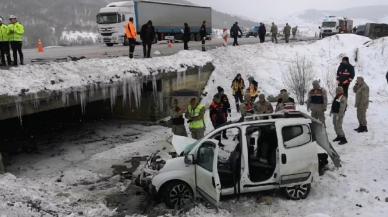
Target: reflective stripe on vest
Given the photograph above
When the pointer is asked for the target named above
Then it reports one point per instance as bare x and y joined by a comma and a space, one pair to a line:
199, 124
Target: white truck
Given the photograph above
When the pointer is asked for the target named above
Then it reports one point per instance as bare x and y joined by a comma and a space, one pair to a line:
167, 18
332, 25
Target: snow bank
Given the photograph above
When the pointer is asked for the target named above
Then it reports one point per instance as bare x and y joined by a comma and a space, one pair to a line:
78, 37
63, 76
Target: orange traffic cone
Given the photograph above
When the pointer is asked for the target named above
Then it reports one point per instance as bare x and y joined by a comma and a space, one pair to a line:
170, 44
40, 46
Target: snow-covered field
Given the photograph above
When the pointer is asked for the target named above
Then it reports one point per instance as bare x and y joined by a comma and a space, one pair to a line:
83, 163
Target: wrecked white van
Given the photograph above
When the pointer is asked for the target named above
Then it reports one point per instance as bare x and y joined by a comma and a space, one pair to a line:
261, 153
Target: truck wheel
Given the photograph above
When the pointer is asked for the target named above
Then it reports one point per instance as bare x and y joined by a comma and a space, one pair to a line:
177, 195
109, 44
298, 192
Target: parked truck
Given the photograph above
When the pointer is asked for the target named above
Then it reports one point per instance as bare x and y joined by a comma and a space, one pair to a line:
333, 25
167, 18
373, 30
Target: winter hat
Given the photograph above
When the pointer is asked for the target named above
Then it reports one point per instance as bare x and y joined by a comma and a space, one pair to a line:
316, 82
220, 89
345, 59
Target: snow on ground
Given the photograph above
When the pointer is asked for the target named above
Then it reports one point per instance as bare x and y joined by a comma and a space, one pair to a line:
358, 188
78, 37
63, 76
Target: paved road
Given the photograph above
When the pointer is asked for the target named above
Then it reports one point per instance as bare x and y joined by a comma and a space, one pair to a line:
102, 51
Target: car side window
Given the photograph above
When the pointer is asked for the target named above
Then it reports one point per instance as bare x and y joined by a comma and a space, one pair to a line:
205, 156
294, 136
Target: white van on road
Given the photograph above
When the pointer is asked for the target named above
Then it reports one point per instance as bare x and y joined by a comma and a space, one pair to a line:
261, 153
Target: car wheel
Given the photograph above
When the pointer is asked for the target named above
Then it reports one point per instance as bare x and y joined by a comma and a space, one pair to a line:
109, 44
177, 195
298, 192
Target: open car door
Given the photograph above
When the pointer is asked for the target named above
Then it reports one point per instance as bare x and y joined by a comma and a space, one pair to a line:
320, 135
208, 183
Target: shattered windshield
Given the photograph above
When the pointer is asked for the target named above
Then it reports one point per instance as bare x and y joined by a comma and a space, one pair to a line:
188, 149
107, 18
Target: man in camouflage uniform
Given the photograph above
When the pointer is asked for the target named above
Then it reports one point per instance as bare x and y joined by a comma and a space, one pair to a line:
274, 33
362, 102
338, 109
262, 106
317, 102
287, 32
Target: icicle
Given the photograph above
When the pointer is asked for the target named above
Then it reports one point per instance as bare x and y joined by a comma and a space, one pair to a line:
161, 103
125, 90
76, 96
36, 101
184, 78
154, 86
113, 94
83, 100
19, 109
199, 75
178, 79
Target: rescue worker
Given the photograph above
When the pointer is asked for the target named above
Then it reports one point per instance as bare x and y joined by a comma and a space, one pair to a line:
186, 36
218, 114
195, 115
203, 34
262, 106
247, 107
362, 102
130, 32
224, 99
238, 87
285, 102
287, 32
253, 89
294, 31
317, 102
234, 32
16, 35
338, 109
177, 120
274, 33
345, 75
147, 36
4, 44
262, 32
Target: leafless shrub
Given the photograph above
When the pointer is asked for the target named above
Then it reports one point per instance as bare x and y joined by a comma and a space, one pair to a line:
330, 81
299, 77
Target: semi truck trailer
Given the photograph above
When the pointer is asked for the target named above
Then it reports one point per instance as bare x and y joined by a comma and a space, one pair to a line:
167, 18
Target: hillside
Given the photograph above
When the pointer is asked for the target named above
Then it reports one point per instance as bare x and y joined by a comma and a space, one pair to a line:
57, 21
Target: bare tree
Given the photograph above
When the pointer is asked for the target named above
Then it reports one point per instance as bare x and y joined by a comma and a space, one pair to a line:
299, 77
330, 81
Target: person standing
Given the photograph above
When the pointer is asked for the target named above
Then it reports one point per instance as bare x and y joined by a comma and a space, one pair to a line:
274, 33
247, 108
177, 120
16, 35
253, 89
262, 32
317, 102
224, 99
4, 44
285, 102
294, 31
287, 32
345, 75
203, 34
225, 37
262, 106
195, 115
234, 32
130, 32
186, 36
238, 88
218, 114
338, 109
147, 36
362, 102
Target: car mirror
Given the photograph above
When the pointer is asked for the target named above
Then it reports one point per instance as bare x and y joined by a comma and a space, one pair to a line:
189, 159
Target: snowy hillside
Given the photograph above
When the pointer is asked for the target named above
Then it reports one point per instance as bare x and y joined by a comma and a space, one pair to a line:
358, 188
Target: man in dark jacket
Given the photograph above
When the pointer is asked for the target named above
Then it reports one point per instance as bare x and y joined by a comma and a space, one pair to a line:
345, 75
262, 32
147, 35
234, 31
186, 36
203, 34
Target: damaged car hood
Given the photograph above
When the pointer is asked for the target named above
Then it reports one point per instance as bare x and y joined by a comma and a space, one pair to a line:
181, 143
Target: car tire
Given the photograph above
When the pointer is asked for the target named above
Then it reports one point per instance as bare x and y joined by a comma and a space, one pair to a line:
109, 44
177, 195
297, 192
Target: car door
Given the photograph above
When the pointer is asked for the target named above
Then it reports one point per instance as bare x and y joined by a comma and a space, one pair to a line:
207, 181
298, 156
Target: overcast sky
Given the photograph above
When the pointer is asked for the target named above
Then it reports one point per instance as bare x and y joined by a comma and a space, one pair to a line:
259, 9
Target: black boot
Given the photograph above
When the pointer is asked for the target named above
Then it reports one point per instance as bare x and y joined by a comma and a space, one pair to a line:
337, 139
343, 141
357, 129
363, 129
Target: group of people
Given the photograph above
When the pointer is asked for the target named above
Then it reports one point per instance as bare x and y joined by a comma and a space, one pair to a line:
11, 35
287, 30
247, 104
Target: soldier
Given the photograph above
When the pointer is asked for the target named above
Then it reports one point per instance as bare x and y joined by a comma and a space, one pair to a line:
274, 33
317, 102
177, 120
294, 31
285, 102
362, 102
195, 115
338, 109
287, 32
262, 106
203, 34
345, 75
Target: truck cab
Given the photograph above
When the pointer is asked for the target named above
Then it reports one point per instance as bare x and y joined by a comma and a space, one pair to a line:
333, 25
277, 151
111, 21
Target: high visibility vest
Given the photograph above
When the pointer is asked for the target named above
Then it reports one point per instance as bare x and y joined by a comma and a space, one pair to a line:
4, 33
130, 31
16, 31
199, 124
